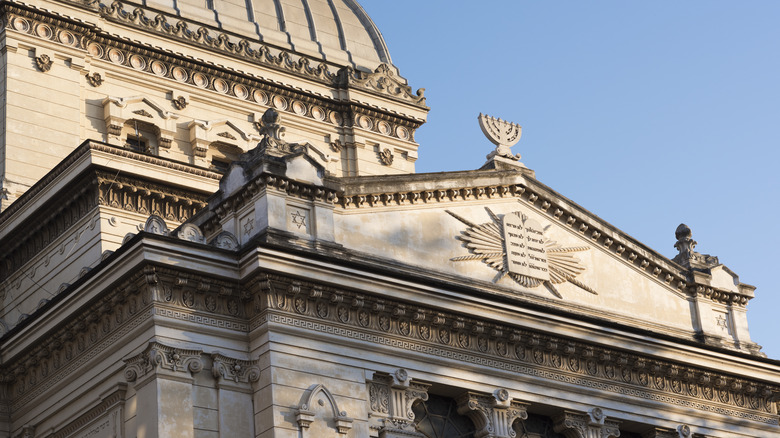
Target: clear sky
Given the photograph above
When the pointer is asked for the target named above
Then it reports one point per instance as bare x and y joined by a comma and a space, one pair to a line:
647, 113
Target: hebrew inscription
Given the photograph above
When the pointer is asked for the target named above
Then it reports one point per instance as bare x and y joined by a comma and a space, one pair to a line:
525, 250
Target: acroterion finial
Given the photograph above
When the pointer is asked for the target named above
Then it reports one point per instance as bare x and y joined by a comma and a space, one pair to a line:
501, 133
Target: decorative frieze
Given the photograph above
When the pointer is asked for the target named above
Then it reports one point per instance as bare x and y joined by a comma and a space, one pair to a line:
195, 298
510, 348
226, 81
148, 198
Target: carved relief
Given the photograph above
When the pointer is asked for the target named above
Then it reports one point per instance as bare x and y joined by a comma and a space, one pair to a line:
156, 225
94, 79
391, 400
516, 246
225, 240
180, 103
594, 424
226, 368
191, 233
158, 356
533, 354
386, 157
493, 415
44, 62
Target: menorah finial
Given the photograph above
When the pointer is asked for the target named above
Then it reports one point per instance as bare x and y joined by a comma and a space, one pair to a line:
501, 133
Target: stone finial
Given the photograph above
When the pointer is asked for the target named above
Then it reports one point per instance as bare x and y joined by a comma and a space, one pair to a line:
272, 132
270, 125
501, 133
687, 256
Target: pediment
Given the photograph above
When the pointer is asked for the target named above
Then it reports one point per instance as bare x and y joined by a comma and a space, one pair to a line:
493, 234
222, 132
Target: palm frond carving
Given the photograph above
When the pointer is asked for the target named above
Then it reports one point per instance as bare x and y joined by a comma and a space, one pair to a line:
486, 243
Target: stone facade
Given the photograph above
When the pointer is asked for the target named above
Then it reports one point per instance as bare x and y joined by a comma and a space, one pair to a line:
212, 227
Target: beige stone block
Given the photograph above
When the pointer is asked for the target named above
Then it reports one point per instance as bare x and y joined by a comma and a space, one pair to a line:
205, 419
205, 397
54, 117
235, 414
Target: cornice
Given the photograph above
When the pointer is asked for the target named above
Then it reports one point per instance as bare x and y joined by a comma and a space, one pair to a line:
92, 189
119, 309
266, 181
416, 328
85, 148
223, 79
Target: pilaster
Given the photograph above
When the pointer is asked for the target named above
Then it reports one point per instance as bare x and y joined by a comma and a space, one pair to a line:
391, 400
163, 380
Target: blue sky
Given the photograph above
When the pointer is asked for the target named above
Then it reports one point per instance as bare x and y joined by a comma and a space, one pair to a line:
648, 114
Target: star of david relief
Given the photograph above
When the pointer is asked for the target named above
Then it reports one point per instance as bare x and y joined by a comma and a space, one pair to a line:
516, 246
298, 219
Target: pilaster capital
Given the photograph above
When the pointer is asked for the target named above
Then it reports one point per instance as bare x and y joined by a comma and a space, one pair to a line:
593, 424
391, 397
159, 358
492, 414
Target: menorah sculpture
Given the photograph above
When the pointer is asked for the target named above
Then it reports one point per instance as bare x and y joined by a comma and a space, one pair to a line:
501, 133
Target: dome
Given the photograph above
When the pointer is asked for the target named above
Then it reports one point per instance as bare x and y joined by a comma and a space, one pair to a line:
337, 31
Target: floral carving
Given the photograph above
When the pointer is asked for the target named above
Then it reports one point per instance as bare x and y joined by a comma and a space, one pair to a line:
386, 157
161, 356
180, 103
44, 62
94, 79
235, 370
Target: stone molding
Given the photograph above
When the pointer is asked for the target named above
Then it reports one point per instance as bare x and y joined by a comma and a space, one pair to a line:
650, 264
111, 404
305, 415
147, 198
492, 414
391, 397
266, 181
146, 292
79, 199
86, 148
157, 357
351, 315
594, 424
682, 431
73, 204
217, 78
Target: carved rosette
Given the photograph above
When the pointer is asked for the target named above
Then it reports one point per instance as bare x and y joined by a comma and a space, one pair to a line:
492, 414
44, 63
